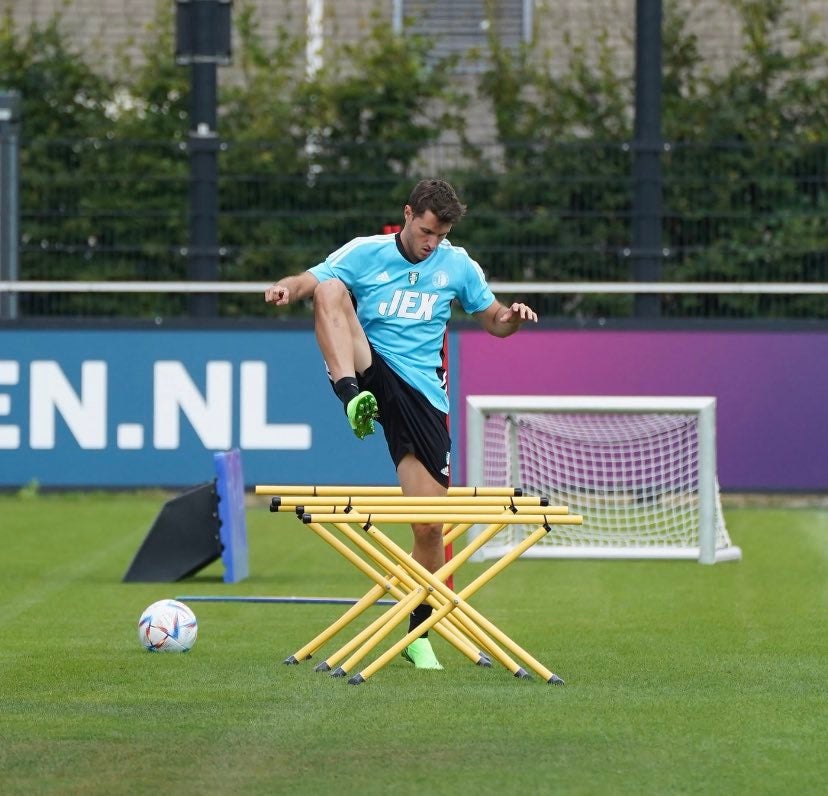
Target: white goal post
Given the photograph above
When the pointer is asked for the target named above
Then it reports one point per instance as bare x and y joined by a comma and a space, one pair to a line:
641, 471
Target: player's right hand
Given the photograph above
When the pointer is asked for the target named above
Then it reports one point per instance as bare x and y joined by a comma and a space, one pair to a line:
277, 294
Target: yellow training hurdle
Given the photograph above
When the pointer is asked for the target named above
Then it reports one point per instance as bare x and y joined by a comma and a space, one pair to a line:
340, 514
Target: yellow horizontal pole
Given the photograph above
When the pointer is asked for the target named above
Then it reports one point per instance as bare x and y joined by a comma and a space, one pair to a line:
430, 508
413, 500
432, 517
468, 491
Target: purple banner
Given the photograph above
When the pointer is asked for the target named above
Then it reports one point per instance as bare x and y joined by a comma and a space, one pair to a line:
771, 388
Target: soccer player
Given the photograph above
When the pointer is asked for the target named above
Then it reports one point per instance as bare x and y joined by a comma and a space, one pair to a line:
381, 305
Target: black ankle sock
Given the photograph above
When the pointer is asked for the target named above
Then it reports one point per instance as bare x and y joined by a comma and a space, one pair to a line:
346, 388
418, 616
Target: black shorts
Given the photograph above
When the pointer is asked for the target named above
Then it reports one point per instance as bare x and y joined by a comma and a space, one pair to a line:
412, 424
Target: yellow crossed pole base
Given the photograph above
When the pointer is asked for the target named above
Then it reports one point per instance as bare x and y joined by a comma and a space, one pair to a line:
396, 504
385, 583
461, 642
435, 580
456, 601
405, 579
392, 580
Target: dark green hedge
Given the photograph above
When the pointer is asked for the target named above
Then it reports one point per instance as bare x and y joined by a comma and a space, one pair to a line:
307, 163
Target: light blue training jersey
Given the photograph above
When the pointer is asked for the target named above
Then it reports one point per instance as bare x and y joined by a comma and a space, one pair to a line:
404, 307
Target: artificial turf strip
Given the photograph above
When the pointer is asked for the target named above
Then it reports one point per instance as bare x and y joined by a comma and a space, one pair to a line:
680, 678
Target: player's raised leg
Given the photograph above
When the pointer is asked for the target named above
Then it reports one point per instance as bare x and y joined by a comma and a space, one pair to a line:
346, 351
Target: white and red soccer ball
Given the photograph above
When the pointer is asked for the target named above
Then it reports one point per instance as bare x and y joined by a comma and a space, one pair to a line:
167, 626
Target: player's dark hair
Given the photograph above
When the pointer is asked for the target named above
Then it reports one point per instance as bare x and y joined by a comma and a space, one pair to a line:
438, 197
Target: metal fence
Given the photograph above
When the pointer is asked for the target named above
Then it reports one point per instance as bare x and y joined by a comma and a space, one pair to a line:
112, 210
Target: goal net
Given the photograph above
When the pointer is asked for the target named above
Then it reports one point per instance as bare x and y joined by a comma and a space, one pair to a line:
641, 471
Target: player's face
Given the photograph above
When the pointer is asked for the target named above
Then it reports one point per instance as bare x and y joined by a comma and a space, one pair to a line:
421, 235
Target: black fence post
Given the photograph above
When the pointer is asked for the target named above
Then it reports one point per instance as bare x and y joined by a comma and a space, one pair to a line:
647, 147
9, 198
203, 42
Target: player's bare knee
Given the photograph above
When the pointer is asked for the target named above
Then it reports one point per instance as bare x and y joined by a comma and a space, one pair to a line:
329, 295
429, 534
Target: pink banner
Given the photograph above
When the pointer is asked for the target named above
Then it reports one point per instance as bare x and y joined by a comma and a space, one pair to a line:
771, 388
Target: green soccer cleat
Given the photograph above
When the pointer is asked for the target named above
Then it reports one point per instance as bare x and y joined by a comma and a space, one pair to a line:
419, 652
361, 411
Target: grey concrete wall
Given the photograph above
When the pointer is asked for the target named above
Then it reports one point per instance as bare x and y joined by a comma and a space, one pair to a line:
100, 27
101, 24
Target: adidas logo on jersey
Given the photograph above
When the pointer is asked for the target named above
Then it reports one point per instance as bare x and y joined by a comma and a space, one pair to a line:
383, 277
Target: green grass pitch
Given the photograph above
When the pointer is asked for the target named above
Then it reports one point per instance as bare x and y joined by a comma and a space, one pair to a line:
680, 678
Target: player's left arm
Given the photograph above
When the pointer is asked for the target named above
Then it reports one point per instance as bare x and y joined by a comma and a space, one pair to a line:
501, 320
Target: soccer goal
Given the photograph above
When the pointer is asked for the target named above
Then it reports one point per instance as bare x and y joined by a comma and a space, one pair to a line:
641, 471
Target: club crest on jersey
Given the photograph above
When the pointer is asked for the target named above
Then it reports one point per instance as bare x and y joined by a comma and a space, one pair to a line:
413, 277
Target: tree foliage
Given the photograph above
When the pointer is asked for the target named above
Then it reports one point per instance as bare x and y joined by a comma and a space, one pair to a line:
744, 183
743, 196
307, 161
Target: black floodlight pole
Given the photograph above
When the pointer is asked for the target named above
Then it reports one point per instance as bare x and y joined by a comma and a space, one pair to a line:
203, 42
647, 249
9, 198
